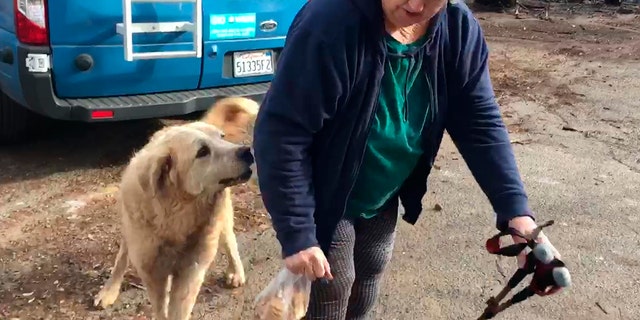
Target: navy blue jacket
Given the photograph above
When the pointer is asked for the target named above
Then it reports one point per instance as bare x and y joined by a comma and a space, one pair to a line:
313, 124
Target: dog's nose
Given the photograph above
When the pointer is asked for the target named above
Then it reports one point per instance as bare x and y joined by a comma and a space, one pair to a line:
244, 154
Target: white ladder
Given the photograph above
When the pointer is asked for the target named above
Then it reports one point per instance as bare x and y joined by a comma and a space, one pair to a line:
127, 28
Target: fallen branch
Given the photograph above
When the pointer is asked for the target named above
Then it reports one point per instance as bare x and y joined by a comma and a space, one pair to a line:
521, 142
601, 308
568, 128
135, 285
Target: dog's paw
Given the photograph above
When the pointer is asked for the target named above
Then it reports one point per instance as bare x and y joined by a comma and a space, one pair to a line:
106, 297
235, 280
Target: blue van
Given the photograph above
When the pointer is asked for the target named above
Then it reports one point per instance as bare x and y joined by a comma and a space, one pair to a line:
111, 60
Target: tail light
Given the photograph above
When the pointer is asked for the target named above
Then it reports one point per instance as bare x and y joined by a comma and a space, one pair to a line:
31, 21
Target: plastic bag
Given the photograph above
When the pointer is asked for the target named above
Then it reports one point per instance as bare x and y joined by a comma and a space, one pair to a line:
285, 298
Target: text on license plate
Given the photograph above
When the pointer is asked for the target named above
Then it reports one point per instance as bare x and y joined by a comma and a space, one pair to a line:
252, 63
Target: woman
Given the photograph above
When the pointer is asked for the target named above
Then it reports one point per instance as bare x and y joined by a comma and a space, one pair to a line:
352, 122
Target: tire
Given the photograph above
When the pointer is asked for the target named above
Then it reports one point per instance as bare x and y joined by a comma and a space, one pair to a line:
17, 123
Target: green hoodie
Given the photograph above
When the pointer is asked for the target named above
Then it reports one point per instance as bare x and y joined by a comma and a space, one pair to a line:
394, 144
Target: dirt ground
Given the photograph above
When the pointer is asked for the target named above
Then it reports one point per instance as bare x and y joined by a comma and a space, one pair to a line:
570, 93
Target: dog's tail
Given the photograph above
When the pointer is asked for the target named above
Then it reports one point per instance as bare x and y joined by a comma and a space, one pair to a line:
232, 115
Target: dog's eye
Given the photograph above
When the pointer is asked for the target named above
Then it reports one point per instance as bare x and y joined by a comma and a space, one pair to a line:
203, 152
222, 135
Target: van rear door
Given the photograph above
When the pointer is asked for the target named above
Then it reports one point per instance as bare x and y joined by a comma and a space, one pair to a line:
88, 54
242, 38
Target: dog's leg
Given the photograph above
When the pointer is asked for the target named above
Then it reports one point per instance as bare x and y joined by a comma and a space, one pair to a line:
153, 263
235, 271
190, 273
185, 288
156, 284
109, 293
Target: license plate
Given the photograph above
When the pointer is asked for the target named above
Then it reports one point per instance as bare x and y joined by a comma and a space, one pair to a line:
252, 63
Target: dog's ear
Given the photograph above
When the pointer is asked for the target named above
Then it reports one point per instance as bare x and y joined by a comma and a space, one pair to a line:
158, 173
232, 115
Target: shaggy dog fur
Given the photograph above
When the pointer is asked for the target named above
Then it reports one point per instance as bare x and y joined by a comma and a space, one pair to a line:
175, 203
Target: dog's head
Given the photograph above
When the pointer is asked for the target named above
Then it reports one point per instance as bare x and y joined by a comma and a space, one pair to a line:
196, 158
233, 116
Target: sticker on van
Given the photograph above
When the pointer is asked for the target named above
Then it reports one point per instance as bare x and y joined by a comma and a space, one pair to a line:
232, 26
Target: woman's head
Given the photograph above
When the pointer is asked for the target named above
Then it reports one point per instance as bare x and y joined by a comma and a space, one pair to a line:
404, 13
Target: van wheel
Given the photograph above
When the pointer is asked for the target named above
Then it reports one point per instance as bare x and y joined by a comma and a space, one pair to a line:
17, 123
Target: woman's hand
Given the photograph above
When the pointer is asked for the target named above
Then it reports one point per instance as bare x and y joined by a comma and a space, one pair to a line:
526, 225
310, 262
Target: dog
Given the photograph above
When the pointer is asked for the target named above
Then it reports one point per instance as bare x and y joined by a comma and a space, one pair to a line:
175, 205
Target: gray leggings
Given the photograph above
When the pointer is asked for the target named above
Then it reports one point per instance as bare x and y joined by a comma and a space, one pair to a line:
359, 254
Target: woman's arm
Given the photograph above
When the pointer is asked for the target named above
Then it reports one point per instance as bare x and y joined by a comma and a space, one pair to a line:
310, 83
476, 127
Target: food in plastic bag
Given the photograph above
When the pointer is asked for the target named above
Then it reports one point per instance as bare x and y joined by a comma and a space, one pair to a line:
285, 298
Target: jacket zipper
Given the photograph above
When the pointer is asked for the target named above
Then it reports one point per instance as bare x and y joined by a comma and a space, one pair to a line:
356, 169
433, 112
406, 89
428, 137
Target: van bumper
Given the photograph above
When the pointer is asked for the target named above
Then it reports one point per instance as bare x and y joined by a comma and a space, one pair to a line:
40, 97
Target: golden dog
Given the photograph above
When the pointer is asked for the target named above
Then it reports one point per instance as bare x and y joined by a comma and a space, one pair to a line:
175, 203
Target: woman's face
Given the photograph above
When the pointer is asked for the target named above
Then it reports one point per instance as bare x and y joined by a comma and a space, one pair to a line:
404, 13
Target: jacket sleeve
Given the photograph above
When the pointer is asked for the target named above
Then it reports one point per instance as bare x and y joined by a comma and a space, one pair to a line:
476, 127
309, 84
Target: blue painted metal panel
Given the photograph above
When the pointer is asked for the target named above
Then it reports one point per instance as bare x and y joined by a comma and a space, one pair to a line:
9, 75
7, 16
111, 75
280, 11
89, 27
222, 38
9, 78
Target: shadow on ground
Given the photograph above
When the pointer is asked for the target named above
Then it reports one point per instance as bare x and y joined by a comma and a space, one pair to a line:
67, 146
